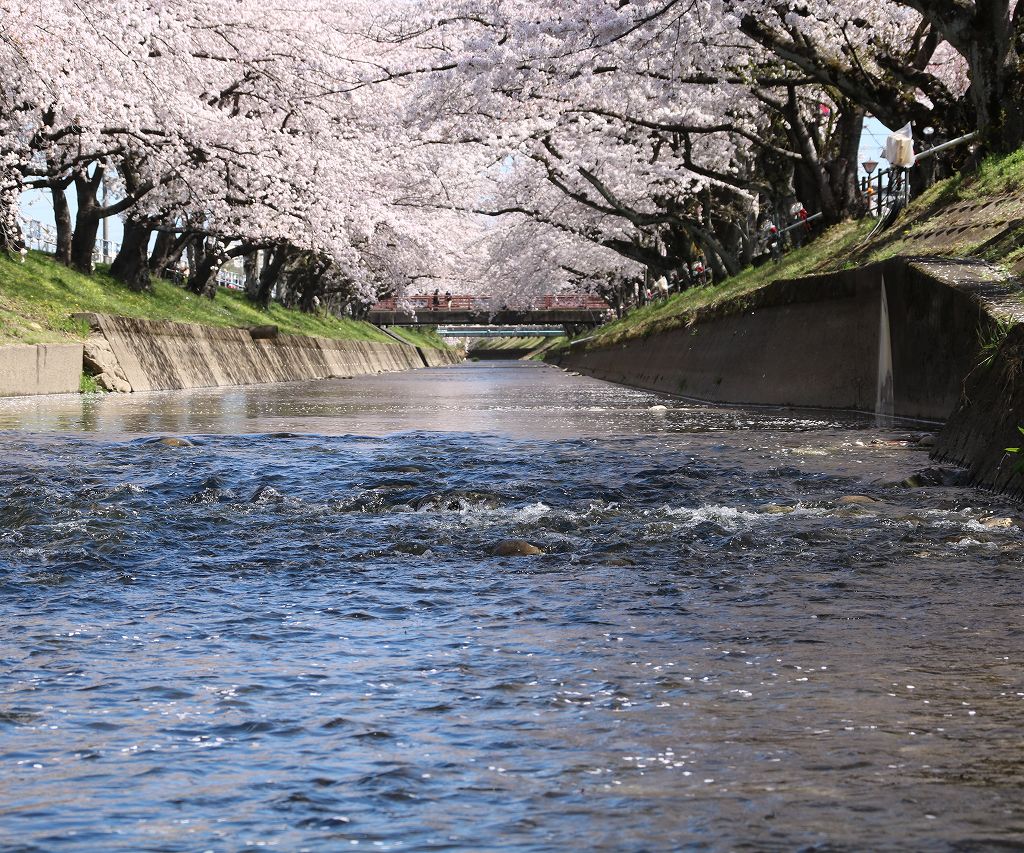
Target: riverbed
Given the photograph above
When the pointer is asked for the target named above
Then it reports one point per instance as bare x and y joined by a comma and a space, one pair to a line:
744, 634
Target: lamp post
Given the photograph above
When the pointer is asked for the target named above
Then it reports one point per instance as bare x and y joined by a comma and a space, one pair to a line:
869, 167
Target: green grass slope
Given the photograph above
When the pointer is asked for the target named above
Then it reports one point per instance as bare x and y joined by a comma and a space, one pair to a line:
37, 297
976, 215
420, 336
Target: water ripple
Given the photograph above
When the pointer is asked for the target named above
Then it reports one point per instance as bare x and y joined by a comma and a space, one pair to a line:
307, 641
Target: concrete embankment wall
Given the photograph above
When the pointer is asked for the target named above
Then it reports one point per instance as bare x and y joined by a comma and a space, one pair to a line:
819, 342
40, 369
434, 357
142, 355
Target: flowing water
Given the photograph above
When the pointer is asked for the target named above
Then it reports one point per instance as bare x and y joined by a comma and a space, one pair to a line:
294, 635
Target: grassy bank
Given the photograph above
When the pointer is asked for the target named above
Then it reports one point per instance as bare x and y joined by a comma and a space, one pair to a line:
979, 215
37, 297
420, 336
975, 215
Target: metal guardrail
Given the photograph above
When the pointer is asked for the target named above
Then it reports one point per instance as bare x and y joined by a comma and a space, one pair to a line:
802, 223
427, 303
499, 332
43, 238
891, 187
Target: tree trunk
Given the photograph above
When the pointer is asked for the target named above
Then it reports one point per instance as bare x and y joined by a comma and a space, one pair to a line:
844, 168
723, 262
62, 221
131, 266
159, 258
167, 250
803, 142
250, 266
202, 280
273, 262
312, 284
996, 59
718, 270
87, 220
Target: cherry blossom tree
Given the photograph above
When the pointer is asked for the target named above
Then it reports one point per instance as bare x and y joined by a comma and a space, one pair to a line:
349, 148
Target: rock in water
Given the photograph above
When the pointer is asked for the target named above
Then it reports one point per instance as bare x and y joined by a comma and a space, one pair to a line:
266, 495
776, 509
516, 548
855, 499
111, 382
174, 441
658, 408
99, 360
936, 477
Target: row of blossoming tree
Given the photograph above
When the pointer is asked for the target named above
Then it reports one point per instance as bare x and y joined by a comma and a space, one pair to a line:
345, 149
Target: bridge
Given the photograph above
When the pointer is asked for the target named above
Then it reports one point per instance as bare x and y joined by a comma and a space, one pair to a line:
570, 312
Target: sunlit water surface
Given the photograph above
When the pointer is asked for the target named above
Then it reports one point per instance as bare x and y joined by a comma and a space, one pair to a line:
293, 634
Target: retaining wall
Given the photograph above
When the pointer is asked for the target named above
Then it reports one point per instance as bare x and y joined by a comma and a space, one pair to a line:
40, 369
434, 357
986, 421
150, 355
819, 342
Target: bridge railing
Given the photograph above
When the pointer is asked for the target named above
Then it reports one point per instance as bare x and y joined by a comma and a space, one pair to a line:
426, 303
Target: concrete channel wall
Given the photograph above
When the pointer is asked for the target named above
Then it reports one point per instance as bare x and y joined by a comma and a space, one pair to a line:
142, 355
434, 357
40, 369
821, 341
988, 419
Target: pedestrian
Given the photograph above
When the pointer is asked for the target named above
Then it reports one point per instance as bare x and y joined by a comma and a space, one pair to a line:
437, 299
448, 299
775, 243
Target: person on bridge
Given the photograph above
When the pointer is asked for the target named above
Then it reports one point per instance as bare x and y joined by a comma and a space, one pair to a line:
437, 299
448, 299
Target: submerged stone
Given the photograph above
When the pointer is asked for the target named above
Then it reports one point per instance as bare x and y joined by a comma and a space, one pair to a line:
775, 509
266, 494
516, 548
935, 477
845, 500
458, 501
174, 441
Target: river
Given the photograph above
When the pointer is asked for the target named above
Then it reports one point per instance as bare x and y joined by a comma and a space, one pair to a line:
293, 634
